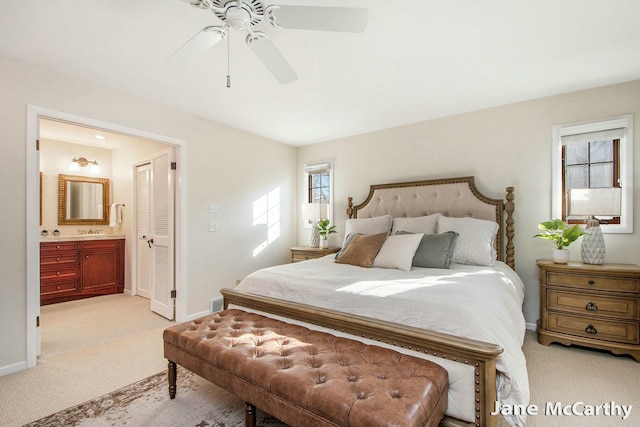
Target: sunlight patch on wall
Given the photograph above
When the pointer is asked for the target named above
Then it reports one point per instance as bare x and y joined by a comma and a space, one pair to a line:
266, 213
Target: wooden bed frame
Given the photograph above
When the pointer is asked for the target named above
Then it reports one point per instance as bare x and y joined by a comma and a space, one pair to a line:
482, 356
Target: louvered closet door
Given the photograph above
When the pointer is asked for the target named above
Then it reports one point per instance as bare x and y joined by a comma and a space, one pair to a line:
143, 214
162, 232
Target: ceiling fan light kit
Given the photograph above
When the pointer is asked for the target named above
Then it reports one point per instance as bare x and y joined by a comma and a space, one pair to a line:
241, 15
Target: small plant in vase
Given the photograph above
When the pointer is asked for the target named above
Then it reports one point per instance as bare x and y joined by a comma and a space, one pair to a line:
558, 232
325, 228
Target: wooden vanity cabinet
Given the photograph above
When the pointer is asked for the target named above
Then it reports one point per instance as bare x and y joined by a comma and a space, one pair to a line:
80, 269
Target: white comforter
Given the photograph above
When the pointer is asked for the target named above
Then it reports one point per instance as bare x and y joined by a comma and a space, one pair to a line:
480, 303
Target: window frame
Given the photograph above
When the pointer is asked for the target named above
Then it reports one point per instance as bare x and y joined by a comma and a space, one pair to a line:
625, 165
308, 170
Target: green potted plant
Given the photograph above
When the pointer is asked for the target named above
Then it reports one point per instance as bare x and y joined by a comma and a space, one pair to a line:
325, 228
558, 232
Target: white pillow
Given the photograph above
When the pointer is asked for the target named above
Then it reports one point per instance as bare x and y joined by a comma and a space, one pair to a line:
375, 225
475, 241
419, 224
398, 251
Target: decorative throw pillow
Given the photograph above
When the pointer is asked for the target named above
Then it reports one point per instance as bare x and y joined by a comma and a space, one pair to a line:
475, 245
398, 251
435, 250
375, 225
419, 224
347, 240
362, 249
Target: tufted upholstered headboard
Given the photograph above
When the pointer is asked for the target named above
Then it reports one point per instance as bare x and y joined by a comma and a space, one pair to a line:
454, 197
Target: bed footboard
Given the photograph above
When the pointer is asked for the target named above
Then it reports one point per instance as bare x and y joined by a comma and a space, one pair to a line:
482, 356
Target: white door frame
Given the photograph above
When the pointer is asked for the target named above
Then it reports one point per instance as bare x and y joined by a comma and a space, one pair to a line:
33, 214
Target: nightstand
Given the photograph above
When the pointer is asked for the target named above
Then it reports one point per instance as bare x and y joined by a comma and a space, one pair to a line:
303, 253
594, 306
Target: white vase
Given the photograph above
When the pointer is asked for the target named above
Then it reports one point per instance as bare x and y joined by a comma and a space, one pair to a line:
314, 238
324, 243
561, 256
592, 249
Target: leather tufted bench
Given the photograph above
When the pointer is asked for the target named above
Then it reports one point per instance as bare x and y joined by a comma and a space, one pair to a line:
305, 377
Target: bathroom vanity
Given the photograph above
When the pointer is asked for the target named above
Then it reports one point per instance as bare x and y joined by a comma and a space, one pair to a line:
75, 267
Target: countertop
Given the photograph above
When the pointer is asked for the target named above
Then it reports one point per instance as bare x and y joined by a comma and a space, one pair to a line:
76, 237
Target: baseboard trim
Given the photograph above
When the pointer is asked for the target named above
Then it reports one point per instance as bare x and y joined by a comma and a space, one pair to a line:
12, 369
197, 315
532, 326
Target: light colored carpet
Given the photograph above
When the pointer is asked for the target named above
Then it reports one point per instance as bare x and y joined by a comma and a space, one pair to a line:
89, 348
119, 355
572, 375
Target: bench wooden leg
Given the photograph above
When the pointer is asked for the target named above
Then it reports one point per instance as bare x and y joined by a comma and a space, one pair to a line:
172, 376
249, 415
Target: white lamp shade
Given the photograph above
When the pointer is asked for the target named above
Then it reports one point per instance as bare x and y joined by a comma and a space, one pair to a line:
313, 212
595, 201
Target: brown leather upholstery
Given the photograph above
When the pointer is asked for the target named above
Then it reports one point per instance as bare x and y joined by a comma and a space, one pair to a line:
306, 377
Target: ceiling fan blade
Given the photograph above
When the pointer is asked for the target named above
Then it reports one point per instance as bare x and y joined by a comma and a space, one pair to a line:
197, 45
320, 18
271, 57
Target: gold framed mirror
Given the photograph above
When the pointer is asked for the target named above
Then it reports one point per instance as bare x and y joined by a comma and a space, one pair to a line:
83, 200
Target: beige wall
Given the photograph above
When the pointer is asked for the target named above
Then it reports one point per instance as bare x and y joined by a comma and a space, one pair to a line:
224, 165
503, 146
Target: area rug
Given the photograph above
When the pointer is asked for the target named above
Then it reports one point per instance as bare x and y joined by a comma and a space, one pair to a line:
198, 403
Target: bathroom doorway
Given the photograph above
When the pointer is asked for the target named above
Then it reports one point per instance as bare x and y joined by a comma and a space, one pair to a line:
34, 114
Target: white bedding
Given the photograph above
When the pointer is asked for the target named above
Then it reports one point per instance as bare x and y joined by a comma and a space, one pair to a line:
481, 303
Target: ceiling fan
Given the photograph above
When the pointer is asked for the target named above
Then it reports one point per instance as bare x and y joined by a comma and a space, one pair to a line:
242, 15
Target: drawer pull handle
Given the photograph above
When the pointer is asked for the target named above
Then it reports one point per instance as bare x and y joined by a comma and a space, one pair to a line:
591, 282
57, 246
57, 288
57, 259
591, 329
86, 256
591, 306
57, 273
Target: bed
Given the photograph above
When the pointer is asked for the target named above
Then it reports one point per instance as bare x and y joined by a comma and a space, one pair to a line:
440, 285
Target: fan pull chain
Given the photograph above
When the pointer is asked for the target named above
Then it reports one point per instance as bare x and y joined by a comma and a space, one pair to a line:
228, 73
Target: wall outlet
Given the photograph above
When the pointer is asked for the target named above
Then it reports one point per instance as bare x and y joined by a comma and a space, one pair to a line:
213, 208
213, 226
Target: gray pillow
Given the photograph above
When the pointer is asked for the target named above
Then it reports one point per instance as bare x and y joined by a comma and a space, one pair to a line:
345, 245
435, 250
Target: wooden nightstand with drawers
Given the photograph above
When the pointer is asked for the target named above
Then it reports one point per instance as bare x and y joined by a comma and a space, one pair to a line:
596, 306
303, 253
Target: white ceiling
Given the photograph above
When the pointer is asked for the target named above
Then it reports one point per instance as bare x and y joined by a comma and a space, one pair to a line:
416, 60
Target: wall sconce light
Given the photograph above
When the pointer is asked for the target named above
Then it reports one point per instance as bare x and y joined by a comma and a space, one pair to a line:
76, 164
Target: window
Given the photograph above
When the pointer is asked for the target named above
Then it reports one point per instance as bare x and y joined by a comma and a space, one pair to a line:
319, 191
592, 162
594, 155
319, 184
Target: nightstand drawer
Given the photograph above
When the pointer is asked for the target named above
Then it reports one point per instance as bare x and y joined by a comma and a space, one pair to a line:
592, 281
303, 253
621, 332
297, 257
596, 305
